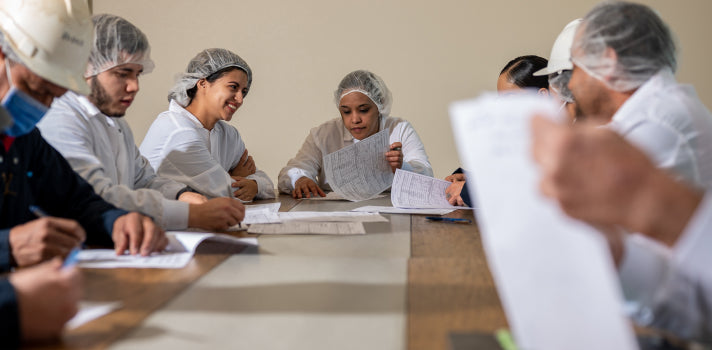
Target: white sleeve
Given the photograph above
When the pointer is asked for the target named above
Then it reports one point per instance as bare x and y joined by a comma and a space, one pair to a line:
307, 163
414, 157
66, 132
265, 187
186, 159
673, 288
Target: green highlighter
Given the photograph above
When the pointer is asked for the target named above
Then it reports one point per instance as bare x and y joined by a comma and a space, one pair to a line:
505, 339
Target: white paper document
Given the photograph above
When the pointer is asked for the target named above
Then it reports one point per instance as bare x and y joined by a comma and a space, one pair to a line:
331, 216
411, 190
180, 250
310, 228
360, 171
91, 310
554, 274
261, 213
393, 210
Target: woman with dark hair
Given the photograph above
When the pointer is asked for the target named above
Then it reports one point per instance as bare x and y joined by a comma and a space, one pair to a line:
192, 141
519, 74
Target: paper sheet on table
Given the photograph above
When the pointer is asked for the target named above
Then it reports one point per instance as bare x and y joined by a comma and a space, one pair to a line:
331, 216
393, 210
554, 274
411, 190
360, 171
333, 196
91, 310
260, 213
310, 228
180, 250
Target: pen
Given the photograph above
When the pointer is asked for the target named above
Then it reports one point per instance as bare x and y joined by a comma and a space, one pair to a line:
38, 211
73, 258
453, 220
395, 149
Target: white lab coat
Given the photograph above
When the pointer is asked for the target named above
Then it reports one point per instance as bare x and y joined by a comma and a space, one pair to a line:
102, 150
179, 147
333, 136
671, 125
673, 287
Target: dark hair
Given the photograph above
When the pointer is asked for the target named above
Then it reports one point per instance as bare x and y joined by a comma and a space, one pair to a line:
521, 69
211, 78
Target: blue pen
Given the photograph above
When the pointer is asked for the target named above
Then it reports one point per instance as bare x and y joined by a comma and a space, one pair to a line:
453, 220
38, 211
72, 259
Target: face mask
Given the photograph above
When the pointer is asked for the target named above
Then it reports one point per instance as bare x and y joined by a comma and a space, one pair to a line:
25, 111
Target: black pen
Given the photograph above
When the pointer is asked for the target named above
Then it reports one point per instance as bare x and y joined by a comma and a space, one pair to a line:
452, 220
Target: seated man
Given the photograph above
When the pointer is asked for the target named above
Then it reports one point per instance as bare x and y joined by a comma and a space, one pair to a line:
599, 178
98, 143
37, 64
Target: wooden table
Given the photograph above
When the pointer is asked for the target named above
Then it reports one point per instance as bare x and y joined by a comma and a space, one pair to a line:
449, 287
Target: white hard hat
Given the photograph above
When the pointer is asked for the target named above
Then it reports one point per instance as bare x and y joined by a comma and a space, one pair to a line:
52, 38
560, 58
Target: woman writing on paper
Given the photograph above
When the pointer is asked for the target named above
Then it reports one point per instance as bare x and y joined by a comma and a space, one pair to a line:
192, 141
364, 102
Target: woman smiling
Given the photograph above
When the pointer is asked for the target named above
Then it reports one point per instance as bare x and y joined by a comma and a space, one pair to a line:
364, 102
192, 141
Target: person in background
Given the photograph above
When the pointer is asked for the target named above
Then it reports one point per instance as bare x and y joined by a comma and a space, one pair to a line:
44, 46
96, 140
517, 74
364, 102
193, 143
559, 68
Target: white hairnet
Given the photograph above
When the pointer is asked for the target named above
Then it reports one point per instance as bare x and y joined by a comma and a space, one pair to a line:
368, 84
642, 43
559, 82
202, 66
117, 42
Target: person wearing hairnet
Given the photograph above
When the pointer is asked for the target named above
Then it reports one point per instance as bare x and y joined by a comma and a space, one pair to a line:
93, 136
558, 70
624, 59
44, 46
364, 101
517, 74
193, 143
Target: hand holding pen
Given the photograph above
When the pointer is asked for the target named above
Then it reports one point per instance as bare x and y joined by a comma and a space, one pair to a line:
44, 238
395, 156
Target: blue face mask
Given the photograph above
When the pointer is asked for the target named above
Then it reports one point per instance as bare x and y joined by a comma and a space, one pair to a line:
26, 112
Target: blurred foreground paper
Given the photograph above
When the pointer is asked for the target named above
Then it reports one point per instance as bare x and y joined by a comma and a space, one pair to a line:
554, 275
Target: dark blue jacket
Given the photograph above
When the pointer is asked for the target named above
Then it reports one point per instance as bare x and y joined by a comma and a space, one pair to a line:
34, 173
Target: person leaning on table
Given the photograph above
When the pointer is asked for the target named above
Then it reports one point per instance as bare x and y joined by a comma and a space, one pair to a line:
44, 46
364, 102
517, 74
96, 140
193, 143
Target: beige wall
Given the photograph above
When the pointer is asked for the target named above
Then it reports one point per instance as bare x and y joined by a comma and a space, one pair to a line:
429, 53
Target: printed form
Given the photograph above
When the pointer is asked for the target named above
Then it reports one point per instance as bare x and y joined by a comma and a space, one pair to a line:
554, 274
180, 250
411, 190
360, 171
